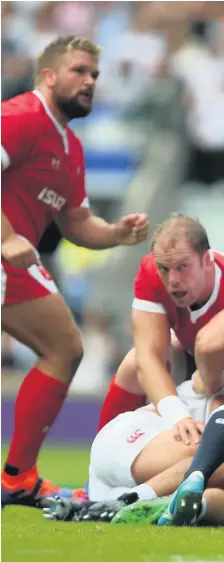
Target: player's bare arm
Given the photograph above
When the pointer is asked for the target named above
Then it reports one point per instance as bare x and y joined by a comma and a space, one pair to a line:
83, 228
209, 353
6, 228
152, 342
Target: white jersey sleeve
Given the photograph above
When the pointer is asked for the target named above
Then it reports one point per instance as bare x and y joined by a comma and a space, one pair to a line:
198, 405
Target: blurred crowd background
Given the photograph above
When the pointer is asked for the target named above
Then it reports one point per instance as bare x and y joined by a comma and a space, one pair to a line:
154, 142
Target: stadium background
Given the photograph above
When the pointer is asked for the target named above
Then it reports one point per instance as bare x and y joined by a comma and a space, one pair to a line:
154, 142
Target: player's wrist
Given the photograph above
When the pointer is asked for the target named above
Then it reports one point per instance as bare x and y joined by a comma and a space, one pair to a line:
172, 409
115, 234
7, 240
11, 236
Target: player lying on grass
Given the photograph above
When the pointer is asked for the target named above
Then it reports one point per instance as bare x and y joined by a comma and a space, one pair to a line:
179, 286
210, 455
135, 457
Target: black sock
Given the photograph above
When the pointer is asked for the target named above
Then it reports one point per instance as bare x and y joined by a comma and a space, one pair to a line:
11, 470
210, 453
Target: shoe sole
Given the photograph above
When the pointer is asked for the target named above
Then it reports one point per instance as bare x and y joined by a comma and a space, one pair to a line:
188, 505
140, 513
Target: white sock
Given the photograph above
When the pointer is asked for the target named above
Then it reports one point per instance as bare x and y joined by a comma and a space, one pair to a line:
197, 473
145, 492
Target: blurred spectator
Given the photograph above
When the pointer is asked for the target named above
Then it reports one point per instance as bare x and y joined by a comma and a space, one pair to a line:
15, 28
15, 355
8, 360
98, 363
75, 17
75, 266
112, 20
15, 63
16, 82
44, 30
201, 69
128, 70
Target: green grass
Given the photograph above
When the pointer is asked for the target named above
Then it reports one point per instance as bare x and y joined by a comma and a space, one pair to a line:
27, 537
66, 466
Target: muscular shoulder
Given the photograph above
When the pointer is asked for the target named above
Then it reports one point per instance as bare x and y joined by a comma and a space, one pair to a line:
26, 106
21, 125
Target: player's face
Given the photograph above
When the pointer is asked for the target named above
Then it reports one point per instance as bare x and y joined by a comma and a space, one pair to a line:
74, 83
183, 272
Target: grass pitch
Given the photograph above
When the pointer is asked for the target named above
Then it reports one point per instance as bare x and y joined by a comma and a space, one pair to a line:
26, 536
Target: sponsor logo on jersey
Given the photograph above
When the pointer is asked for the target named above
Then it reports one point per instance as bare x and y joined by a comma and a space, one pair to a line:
51, 198
135, 435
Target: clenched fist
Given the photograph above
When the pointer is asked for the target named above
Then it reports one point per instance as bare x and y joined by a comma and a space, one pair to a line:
19, 252
132, 229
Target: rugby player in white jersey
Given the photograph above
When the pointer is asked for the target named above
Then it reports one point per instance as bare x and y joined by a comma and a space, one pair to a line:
135, 457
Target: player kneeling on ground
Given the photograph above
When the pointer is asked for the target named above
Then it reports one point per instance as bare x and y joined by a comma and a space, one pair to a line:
136, 457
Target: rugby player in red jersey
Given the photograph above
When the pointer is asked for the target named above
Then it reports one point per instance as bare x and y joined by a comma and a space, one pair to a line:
179, 287
43, 180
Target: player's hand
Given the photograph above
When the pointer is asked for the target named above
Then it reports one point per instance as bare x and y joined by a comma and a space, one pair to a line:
20, 253
132, 229
60, 509
105, 511
189, 431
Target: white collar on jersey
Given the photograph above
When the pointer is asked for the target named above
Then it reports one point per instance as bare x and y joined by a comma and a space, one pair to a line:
56, 123
195, 314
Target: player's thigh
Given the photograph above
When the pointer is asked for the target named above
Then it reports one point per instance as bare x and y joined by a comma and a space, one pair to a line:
217, 478
160, 453
46, 325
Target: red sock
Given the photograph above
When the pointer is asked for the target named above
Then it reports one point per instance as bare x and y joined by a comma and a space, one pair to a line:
38, 403
118, 401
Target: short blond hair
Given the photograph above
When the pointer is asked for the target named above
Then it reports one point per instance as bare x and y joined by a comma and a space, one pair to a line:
60, 46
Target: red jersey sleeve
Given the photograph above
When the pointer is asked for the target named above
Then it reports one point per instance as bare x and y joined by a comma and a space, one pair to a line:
18, 133
148, 291
80, 198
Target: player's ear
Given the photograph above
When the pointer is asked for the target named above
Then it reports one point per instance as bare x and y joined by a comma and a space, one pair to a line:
49, 77
208, 258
